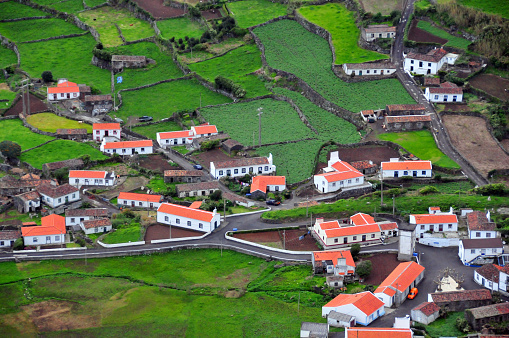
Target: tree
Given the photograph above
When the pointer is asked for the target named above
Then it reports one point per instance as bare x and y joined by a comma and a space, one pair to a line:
363, 269
10, 149
18, 244
216, 195
86, 159
354, 250
47, 76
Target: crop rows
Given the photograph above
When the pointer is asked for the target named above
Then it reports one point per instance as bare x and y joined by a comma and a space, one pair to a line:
453, 41
254, 12
28, 30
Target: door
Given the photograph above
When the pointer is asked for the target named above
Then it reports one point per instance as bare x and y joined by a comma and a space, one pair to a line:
48, 239
360, 72
396, 174
132, 203
151, 205
441, 227
382, 72
415, 173
363, 238
105, 133
228, 172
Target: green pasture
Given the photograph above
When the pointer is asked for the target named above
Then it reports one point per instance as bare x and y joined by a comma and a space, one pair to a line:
453, 41
50, 122
422, 144
151, 130
235, 65
69, 6
124, 235
65, 58
60, 150
382, 6
7, 57
163, 100
254, 12
179, 28
6, 94
290, 47
446, 187
13, 130
93, 3
280, 122
500, 7
446, 327
340, 23
15, 10
29, 30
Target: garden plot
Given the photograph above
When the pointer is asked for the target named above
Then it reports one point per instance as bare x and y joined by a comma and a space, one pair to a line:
179, 28
492, 84
340, 23
420, 35
500, 7
385, 7
50, 122
254, 12
68, 6
158, 10
452, 40
29, 30
15, 10
15, 131
290, 47
36, 106
275, 239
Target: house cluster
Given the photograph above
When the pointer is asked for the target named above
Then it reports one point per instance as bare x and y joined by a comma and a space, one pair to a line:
429, 63
338, 175
399, 117
434, 221
66, 90
337, 265
445, 92
185, 137
242, 166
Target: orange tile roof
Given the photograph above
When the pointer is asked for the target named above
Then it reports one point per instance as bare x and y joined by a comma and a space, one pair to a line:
435, 218
128, 144
329, 225
366, 302
428, 308
196, 205
353, 230
261, 182
406, 165
401, 277
179, 210
362, 219
139, 197
106, 126
50, 225
334, 255
87, 174
64, 87
205, 129
377, 332
343, 171
67, 84
175, 134
434, 208
387, 290
388, 226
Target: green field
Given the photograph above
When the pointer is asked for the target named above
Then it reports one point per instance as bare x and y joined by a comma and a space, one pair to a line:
280, 122
65, 58
453, 41
254, 12
50, 122
7, 57
29, 30
446, 327
235, 65
500, 7
6, 94
93, 3
104, 18
13, 130
124, 235
290, 47
163, 100
60, 150
179, 28
15, 10
340, 23
70, 6
422, 144
151, 130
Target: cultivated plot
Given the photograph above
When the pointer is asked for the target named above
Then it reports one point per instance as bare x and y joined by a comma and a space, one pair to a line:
7, 57
254, 12
452, 40
30, 30
500, 7
385, 7
69, 6
179, 28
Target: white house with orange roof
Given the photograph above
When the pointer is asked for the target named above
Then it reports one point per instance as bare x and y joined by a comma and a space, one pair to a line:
127, 147
189, 218
175, 138
51, 231
429, 63
204, 130
64, 90
102, 130
378, 332
336, 262
337, 175
135, 200
396, 168
364, 306
261, 185
79, 178
439, 222
396, 287
242, 166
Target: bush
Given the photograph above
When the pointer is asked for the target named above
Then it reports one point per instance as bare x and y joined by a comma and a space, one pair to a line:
47, 76
18, 244
497, 189
228, 85
363, 269
354, 250
428, 190
10, 149
462, 325
208, 145
216, 195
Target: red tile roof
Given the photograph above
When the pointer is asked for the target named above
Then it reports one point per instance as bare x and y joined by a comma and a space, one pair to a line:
30, 176
353, 230
367, 112
94, 223
56, 191
448, 85
334, 256
427, 308
434, 55
362, 219
95, 212
359, 165
64, 87
128, 144
50, 225
378, 332
205, 129
330, 225
196, 205
404, 107
435, 218
241, 162
461, 296
445, 90
7, 235
179, 210
428, 81
388, 226
261, 182
406, 165
175, 134
407, 118
87, 174
131, 196
401, 277
493, 310
343, 171
366, 302
477, 220
489, 271
106, 126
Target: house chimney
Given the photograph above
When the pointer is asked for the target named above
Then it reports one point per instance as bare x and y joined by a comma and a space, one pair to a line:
488, 216
394, 159
214, 212
319, 220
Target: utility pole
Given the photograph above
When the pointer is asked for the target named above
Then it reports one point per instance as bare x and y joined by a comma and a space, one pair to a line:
382, 190
200, 100
86, 254
170, 228
260, 112
224, 210
284, 239
393, 205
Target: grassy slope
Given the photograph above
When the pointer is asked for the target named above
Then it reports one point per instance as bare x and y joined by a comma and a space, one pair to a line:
500, 7
71, 6
180, 28
340, 23
65, 58
60, 150
290, 47
151, 130
6, 94
421, 144
235, 65
7, 57
254, 12
124, 235
29, 30
13, 130
15, 10
453, 41
50, 122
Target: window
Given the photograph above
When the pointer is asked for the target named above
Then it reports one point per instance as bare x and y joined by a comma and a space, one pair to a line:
125, 202
436, 97
336, 240
200, 225
334, 184
372, 235
342, 182
220, 173
236, 171
494, 250
478, 234
449, 226
167, 141
354, 238
189, 223
140, 204
424, 172
411, 62
472, 251
349, 181
142, 149
357, 180
35, 240
422, 226
266, 168
251, 169
57, 238
420, 63
374, 71
166, 218
97, 131
445, 98
367, 71
2, 243
429, 64
177, 220
488, 234
405, 173
72, 220
123, 150
114, 131
243, 170
454, 98
77, 180
59, 200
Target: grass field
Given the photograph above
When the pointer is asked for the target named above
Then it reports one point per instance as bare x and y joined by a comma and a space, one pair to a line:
7, 57
163, 100
340, 23
421, 144
151, 130
254, 12
235, 65
290, 47
93, 3
6, 94
13, 130
280, 122
446, 327
65, 58
453, 41
500, 7
29, 30
179, 28
60, 150
70, 6
124, 235
15, 10
448, 187
50, 122
381, 6
104, 18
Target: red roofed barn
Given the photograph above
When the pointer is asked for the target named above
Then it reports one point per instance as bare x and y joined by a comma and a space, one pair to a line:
364, 306
395, 288
261, 185
134, 200
189, 218
51, 231
63, 91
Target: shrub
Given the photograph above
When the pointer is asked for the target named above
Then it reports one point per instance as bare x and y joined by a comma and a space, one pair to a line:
47, 76
497, 189
363, 269
230, 86
354, 250
18, 244
10, 149
216, 195
462, 325
428, 190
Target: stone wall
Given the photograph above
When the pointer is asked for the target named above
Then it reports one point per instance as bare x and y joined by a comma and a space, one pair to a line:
27, 18
58, 37
10, 45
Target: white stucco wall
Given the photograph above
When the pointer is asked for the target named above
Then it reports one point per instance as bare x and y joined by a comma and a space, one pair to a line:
55, 202
189, 223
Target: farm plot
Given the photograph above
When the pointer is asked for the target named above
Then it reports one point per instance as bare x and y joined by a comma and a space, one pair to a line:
179, 28
473, 140
492, 84
452, 40
280, 122
36, 106
419, 35
236, 65
163, 100
158, 10
254, 12
7, 57
66, 58
60, 150
159, 231
69, 6
290, 47
500, 7
275, 239
29, 30
50, 122
93, 3
377, 154
15, 10
340, 23
421, 144
385, 7
151, 130
15, 131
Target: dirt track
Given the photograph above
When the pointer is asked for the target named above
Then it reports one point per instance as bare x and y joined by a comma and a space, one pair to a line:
492, 84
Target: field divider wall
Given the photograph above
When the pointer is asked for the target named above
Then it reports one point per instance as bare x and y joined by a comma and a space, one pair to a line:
10, 45
58, 37
231, 238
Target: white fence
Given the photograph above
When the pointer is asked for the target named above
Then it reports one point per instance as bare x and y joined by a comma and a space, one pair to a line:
440, 242
119, 245
231, 238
